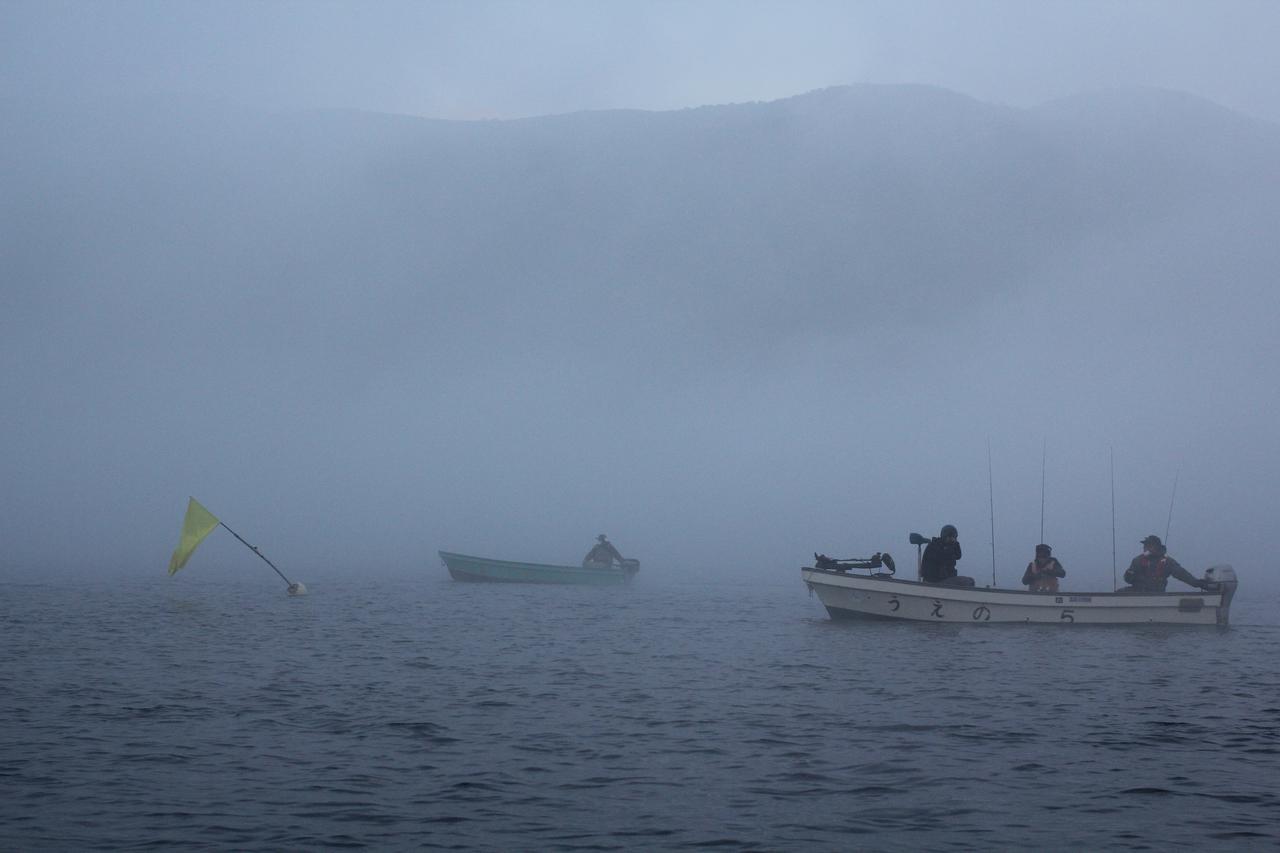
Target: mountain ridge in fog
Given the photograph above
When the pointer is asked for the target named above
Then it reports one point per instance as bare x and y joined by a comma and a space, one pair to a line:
745, 199
384, 310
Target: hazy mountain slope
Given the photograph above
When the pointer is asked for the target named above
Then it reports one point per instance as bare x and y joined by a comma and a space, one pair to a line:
697, 322
834, 206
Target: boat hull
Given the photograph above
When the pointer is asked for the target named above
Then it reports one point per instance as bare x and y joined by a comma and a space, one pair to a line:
849, 596
463, 567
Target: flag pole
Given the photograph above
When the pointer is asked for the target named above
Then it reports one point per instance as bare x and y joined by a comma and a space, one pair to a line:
255, 550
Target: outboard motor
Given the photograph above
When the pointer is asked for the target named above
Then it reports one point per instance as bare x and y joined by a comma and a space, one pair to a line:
1223, 578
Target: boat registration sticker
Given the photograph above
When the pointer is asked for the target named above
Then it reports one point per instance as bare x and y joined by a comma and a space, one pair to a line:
1072, 598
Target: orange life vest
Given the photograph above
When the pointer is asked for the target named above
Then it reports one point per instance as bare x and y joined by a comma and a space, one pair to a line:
1043, 583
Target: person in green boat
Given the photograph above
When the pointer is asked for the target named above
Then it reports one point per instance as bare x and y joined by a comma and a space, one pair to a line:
601, 555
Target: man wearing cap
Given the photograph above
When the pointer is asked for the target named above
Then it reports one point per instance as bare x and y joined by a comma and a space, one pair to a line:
1043, 572
1150, 570
601, 555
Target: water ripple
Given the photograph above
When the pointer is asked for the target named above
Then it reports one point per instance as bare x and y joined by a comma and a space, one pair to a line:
432, 715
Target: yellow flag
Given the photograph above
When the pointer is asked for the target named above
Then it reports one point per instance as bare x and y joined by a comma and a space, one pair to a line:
198, 524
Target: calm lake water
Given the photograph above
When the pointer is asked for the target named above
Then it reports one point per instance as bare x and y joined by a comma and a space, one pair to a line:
421, 714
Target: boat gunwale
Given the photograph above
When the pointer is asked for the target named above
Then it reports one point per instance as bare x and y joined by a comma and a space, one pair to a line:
1035, 597
595, 571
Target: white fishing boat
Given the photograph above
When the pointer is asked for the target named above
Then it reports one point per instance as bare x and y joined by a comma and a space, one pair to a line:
849, 593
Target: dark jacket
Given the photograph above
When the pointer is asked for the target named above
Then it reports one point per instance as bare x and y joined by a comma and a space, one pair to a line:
939, 560
1150, 573
1050, 567
602, 553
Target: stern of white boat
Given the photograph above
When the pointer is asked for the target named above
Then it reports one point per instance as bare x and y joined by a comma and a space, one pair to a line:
1224, 578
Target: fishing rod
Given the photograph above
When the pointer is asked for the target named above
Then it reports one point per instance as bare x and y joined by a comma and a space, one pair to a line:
1044, 453
1169, 521
1115, 584
991, 500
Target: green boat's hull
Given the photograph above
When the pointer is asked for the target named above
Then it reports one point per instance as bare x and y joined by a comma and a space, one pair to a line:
481, 570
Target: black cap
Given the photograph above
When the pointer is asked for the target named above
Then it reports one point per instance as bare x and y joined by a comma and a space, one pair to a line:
1152, 540
1043, 549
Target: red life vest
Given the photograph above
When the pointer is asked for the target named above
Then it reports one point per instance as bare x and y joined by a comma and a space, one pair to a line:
1156, 571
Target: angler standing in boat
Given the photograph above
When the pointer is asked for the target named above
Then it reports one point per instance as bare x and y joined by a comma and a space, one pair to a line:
1043, 572
938, 565
1150, 570
601, 555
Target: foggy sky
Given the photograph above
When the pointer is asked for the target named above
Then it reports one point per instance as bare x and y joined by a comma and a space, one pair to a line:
727, 337
467, 60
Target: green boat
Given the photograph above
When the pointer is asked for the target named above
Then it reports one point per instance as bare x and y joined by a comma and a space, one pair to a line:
483, 570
